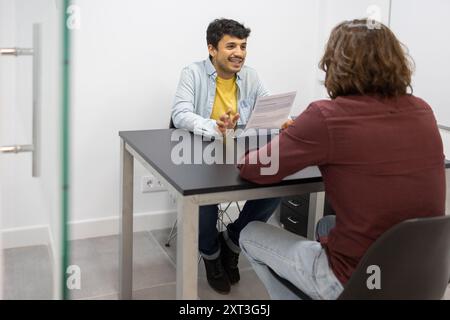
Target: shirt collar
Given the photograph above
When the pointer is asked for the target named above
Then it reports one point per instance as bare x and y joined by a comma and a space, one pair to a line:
211, 70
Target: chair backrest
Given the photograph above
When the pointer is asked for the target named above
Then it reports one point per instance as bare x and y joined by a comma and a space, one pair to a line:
412, 260
171, 125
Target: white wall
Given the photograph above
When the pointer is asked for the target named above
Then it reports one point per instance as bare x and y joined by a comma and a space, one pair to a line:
423, 26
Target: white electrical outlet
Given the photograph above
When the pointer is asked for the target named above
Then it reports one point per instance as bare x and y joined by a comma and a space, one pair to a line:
172, 199
150, 183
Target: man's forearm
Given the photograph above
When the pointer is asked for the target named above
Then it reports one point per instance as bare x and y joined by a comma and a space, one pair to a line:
190, 121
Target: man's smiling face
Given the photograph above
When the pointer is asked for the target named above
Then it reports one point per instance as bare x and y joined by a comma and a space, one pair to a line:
229, 56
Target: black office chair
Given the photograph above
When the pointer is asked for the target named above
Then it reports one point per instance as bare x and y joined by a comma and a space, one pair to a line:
221, 214
171, 125
414, 261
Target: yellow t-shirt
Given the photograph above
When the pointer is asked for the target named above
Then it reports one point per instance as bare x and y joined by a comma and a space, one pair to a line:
225, 97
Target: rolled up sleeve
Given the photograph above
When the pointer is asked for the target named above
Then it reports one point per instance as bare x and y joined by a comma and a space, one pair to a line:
183, 111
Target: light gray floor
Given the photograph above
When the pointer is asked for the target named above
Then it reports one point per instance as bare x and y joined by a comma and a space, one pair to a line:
153, 270
28, 271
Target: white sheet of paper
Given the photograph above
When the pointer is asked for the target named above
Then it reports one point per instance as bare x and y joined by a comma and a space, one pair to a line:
271, 112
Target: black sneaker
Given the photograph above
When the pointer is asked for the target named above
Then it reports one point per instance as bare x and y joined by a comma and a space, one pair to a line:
230, 261
216, 276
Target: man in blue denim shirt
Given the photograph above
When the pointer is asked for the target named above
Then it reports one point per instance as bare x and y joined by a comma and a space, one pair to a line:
212, 96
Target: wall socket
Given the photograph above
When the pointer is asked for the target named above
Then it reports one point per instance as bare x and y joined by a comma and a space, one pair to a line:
172, 199
150, 183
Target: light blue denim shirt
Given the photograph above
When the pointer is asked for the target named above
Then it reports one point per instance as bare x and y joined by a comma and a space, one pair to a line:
196, 92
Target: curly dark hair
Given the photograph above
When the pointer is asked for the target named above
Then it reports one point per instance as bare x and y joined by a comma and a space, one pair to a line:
220, 27
363, 57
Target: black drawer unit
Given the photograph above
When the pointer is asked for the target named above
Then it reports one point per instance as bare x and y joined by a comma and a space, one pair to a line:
294, 213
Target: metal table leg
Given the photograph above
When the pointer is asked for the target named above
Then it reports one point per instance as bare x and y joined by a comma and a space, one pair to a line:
126, 224
187, 248
316, 204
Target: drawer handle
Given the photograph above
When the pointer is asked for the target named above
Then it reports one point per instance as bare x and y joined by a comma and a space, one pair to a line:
293, 203
292, 220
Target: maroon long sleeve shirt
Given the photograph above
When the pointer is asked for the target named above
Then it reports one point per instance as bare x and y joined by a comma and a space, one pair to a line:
381, 160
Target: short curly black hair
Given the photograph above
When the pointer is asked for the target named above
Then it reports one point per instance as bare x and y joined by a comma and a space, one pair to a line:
220, 27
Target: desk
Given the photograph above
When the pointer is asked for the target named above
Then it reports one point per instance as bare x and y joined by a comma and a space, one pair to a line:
194, 185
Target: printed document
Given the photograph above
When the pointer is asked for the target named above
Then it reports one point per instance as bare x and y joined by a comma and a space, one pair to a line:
271, 112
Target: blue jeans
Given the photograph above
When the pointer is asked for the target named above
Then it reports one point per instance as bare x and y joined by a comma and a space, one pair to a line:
302, 262
254, 210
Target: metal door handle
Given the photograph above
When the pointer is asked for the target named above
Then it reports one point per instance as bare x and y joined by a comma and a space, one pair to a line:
35, 52
17, 148
16, 51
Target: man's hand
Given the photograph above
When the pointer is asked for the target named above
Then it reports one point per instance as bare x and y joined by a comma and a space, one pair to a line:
287, 124
227, 121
